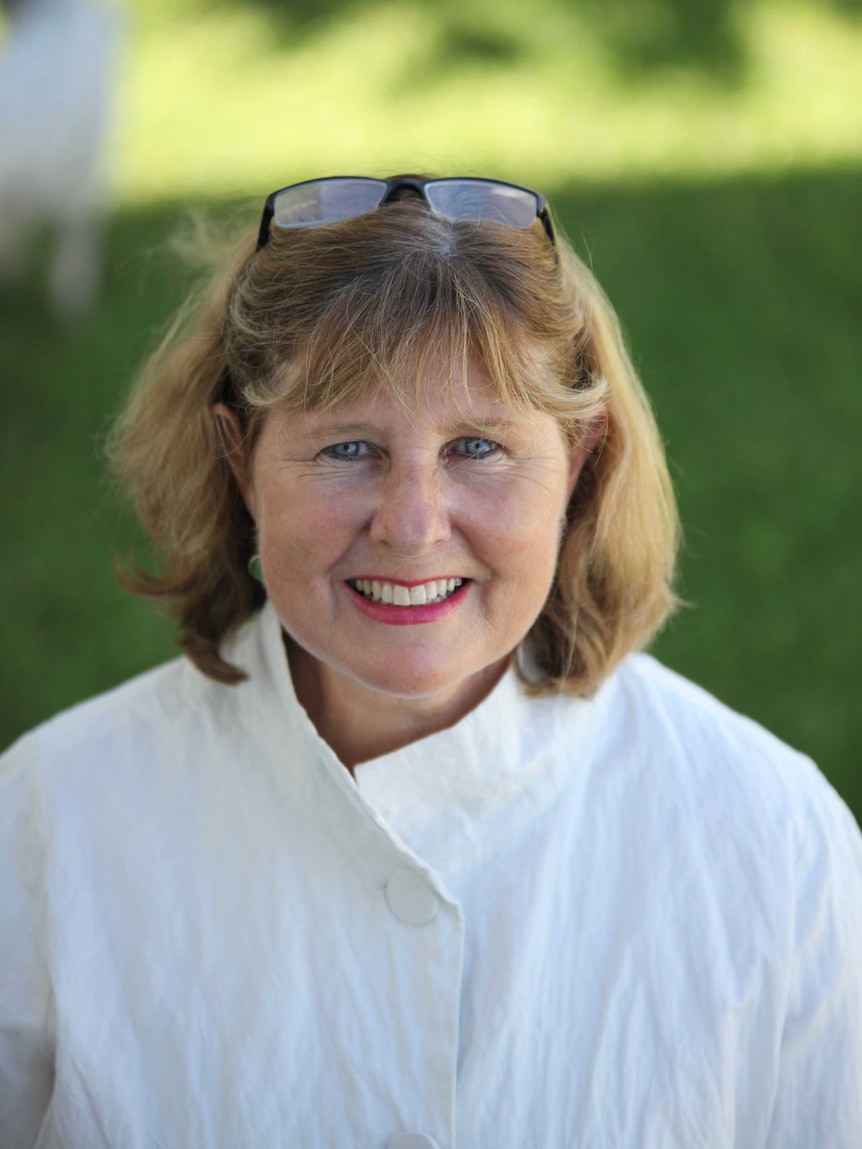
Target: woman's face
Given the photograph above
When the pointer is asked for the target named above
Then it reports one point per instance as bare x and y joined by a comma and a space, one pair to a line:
366, 508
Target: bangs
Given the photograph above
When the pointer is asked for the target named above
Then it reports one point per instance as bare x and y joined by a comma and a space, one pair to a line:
393, 325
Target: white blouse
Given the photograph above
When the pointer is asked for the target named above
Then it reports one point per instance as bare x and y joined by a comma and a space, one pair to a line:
633, 922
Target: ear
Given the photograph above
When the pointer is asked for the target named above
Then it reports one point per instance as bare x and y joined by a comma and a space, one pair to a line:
229, 435
590, 441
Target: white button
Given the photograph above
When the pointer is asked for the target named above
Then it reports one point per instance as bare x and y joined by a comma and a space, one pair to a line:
414, 902
412, 1141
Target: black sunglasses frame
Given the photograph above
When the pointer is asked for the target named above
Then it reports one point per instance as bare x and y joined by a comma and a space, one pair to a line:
397, 184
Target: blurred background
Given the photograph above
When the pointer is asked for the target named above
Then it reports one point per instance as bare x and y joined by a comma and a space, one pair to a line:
705, 157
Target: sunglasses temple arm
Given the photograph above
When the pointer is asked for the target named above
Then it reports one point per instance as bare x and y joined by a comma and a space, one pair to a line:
265, 222
547, 223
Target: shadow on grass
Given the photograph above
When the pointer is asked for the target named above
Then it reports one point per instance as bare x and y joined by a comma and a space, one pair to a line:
641, 37
741, 303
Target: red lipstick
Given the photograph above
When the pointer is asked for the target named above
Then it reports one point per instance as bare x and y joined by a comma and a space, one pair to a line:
408, 615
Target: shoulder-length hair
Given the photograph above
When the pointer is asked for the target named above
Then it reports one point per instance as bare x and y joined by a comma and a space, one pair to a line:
327, 314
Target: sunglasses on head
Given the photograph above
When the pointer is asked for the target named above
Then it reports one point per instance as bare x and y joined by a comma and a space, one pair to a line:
316, 203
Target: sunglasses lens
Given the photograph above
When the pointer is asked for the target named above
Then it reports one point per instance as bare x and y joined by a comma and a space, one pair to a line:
474, 199
320, 202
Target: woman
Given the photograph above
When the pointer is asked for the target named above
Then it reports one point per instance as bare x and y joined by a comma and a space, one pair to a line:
410, 849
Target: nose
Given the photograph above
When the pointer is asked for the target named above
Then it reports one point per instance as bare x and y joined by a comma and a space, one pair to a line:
411, 515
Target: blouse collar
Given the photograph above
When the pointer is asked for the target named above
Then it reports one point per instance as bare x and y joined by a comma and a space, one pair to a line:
443, 794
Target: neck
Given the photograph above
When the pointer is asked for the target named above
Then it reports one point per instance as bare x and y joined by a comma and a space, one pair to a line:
360, 723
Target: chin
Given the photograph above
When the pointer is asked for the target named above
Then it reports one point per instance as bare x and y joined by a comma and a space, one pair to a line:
405, 682
409, 680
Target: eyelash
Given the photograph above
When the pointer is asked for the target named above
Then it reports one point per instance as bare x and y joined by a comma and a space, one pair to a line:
330, 453
495, 447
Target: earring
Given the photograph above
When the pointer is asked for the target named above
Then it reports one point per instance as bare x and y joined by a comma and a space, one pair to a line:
255, 568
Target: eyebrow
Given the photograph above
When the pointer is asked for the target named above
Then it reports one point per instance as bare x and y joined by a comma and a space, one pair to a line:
347, 430
489, 428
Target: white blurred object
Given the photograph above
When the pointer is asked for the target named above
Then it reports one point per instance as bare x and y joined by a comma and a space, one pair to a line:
55, 88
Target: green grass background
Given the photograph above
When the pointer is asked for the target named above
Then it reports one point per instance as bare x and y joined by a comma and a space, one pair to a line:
735, 269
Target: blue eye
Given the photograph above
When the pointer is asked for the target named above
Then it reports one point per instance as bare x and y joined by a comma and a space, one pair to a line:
475, 447
355, 449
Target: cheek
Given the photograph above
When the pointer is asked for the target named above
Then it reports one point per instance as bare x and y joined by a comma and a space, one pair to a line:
300, 529
524, 532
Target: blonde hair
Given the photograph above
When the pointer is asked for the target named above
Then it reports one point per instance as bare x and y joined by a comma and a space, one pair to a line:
322, 315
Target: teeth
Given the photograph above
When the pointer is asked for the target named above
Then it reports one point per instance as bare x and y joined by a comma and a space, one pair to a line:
398, 595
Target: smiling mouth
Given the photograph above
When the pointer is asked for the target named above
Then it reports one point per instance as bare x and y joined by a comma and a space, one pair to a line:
437, 590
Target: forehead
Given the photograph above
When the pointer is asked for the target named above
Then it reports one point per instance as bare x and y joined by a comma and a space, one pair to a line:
440, 398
